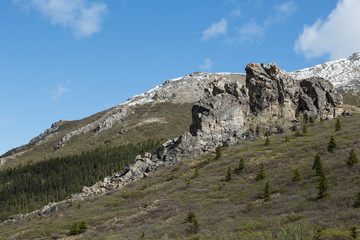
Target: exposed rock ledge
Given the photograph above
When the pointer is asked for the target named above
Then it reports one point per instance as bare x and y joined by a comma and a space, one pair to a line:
268, 102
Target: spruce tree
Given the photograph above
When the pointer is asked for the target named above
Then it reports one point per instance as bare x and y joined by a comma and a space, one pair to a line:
218, 153
357, 201
319, 169
352, 160
311, 120
83, 226
241, 166
267, 191
75, 229
261, 174
353, 232
316, 161
323, 187
297, 176
332, 144
229, 174
142, 234
191, 218
338, 125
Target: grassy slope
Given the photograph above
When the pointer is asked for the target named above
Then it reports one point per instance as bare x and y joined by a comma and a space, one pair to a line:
177, 118
233, 210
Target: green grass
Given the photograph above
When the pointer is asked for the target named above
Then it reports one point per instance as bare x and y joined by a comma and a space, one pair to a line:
225, 210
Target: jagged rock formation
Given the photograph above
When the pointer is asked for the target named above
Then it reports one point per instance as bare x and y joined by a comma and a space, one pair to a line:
268, 102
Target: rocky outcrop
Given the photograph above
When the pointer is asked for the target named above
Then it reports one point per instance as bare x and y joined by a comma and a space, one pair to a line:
269, 101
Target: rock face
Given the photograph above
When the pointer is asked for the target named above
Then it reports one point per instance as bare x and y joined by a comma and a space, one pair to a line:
268, 101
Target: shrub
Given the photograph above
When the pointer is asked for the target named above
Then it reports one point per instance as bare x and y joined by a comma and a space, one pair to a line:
304, 130
352, 160
261, 174
338, 125
321, 119
196, 173
297, 176
75, 229
267, 191
229, 174
332, 144
287, 139
142, 234
319, 233
311, 120
191, 218
353, 232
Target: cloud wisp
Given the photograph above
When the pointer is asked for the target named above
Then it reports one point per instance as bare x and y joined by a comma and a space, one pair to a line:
58, 92
216, 29
207, 65
82, 16
252, 31
337, 36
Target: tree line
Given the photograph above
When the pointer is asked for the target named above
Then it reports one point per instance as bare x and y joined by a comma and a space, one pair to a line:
27, 188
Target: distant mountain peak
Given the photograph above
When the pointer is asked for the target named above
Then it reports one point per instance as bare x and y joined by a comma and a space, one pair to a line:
354, 57
342, 73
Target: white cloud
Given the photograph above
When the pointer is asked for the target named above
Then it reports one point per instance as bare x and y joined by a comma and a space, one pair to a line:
251, 32
82, 16
219, 28
57, 92
338, 36
207, 65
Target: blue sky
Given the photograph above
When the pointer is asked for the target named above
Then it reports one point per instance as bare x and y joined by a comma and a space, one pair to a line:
68, 59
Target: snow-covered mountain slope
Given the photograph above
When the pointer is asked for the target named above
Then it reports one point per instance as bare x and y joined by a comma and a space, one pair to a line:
343, 73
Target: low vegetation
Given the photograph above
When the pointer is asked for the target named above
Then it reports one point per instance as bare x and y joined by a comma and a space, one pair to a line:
177, 205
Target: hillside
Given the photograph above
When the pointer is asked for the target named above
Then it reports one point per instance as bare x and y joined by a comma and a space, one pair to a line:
158, 205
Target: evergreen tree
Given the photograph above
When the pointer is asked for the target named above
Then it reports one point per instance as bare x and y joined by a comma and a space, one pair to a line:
353, 232
316, 161
357, 201
311, 120
304, 130
267, 141
338, 125
319, 168
83, 226
241, 166
267, 191
191, 218
142, 234
321, 119
323, 187
229, 174
332, 144
218, 153
79, 205
75, 229
261, 174
352, 160
287, 139
297, 176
